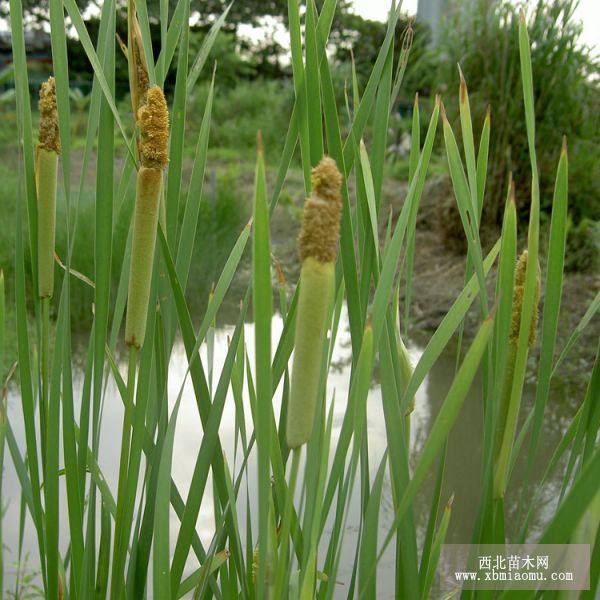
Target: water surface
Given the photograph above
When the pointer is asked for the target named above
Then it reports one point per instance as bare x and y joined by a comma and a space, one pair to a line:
463, 463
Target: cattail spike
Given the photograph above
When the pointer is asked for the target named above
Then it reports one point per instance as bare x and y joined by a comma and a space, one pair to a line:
321, 225
153, 119
318, 249
49, 138
518, 293
46, 168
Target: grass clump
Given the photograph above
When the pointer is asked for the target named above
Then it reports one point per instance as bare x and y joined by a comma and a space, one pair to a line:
482, 38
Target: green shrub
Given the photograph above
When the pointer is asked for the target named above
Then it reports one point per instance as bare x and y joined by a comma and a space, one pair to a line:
583, 246
485, 44
223, 214
240, 112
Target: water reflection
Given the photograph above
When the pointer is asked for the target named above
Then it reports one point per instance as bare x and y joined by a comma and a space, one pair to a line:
463, 464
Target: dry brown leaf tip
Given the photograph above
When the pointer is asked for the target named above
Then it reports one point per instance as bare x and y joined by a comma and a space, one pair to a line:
138, 69
49, 138
321, 225
153, 120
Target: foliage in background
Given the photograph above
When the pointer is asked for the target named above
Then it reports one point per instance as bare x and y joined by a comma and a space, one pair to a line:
566, 80
242, 110
361, 38
583, 242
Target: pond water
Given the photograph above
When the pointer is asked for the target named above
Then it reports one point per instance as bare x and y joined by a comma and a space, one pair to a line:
463, 462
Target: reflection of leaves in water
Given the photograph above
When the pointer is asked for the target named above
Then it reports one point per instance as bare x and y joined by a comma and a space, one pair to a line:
27, 581
563, 402
341, 364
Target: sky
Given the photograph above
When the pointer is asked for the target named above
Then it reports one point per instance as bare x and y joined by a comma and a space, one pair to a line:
588, 11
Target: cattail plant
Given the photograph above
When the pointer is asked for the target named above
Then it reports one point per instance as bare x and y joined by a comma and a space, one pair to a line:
153, 120
505, 430
47, 152
317, 245
318, 250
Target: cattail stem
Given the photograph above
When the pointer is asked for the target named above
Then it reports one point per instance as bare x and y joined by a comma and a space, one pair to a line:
45, 372
121, 544
282, 561
318, 250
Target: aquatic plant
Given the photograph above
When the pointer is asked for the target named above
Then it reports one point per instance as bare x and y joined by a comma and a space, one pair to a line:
153, 120
47, 152
317, 246
294, 478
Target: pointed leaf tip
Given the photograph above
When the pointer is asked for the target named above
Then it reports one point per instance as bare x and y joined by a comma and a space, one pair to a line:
564, 149
463, 87
443, 111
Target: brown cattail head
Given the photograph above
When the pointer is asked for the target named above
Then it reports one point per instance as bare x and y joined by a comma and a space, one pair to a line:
153, 120
321, 225
518, 293
49, 138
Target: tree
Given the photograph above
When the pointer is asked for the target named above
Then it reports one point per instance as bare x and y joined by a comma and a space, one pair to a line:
362, 39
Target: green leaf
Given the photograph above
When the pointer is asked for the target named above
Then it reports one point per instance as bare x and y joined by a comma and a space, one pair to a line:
443, 423
161, 554
436, 550
368, 543
262, 301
